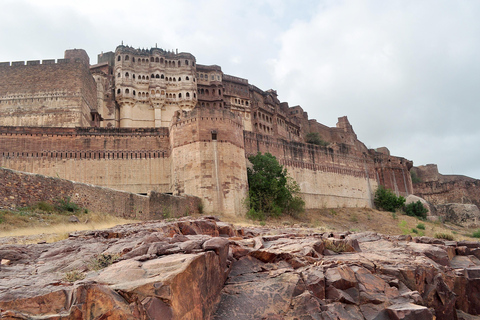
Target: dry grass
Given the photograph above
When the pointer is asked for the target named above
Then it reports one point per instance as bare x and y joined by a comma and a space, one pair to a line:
359, 220
50, 227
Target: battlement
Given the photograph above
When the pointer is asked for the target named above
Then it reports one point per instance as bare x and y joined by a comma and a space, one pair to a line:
121, 49
230, 78
38, 62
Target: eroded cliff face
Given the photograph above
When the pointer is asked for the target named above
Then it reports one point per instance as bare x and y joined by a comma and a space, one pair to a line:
207, 269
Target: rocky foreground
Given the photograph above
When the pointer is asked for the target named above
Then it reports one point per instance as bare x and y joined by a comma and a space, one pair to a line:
206, 269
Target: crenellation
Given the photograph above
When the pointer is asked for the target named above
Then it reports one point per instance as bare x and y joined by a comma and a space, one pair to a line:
153, 119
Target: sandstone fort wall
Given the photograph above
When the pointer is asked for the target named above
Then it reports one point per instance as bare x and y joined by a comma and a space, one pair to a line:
19, 189
46, 93
134, 160
208, 159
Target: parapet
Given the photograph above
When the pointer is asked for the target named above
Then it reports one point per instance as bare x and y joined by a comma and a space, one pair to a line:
75, 54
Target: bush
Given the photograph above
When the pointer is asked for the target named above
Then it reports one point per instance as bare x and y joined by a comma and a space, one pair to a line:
386, 200
102, 261
476, 234
421, 226
314, 138
416, 209
66, 205
271, 192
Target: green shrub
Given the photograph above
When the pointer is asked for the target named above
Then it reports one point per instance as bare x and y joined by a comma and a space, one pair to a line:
314, 138
416, 209
414, 231
476, 234
45, 206
271, 192
386, 200
444, 236
200, 207
66, 205
421, 226
415, 178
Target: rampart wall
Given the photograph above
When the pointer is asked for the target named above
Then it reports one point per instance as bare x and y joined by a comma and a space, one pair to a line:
46, 93
19, 189
327, 177
134, 160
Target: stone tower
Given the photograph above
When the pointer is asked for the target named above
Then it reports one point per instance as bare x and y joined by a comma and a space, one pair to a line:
208, 159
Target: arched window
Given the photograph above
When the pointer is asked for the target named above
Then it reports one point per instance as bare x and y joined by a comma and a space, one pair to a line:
169, 63
179, 64
152, 76
118, 75
119, 91
143, 61
147, 94
133, 76
134, 93
180, 95
127, 91
162, 76
152, 59
158, 92
162, 93
194, 95
152, 92
126, 58
143, 77
133, 59
174, 96
202, 91
157, 60
186, 62
157, 76
207, 92
161, 60
174, 79
188, 95
219, 92
201, 75
126, 75
179, 79
147, 77
170, 79
119, 58
187, 78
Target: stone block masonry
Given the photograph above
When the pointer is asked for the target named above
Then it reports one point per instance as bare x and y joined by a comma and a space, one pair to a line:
20, 189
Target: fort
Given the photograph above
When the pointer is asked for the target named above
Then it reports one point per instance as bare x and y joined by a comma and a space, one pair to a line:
154, 120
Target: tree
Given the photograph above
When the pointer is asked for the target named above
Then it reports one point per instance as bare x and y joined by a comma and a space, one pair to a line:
314, 138
385, 199
271, 192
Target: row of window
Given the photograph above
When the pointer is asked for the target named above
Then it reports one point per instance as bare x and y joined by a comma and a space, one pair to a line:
241, 101
264, 128
157, 92
204, 76
154, 76
207, 92
263, 117
168, 63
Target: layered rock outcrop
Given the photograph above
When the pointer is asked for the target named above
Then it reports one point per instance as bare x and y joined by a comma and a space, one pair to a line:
207, 269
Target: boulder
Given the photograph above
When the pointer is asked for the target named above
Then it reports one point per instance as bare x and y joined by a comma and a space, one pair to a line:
413, 198
464, 214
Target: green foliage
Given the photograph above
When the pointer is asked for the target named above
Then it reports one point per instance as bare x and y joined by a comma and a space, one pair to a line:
66, 205
386, 200
403, 226
414, 230
415, 178
271, 191
416, 209
444, 236
421, 226
476, 234
45, 206
314, 138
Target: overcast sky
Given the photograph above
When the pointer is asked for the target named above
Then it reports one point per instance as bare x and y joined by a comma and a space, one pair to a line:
406, 73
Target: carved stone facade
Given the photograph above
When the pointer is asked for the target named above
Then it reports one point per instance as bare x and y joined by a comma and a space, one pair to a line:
170, 125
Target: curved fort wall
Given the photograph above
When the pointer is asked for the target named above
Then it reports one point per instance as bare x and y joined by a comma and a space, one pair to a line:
208, 159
